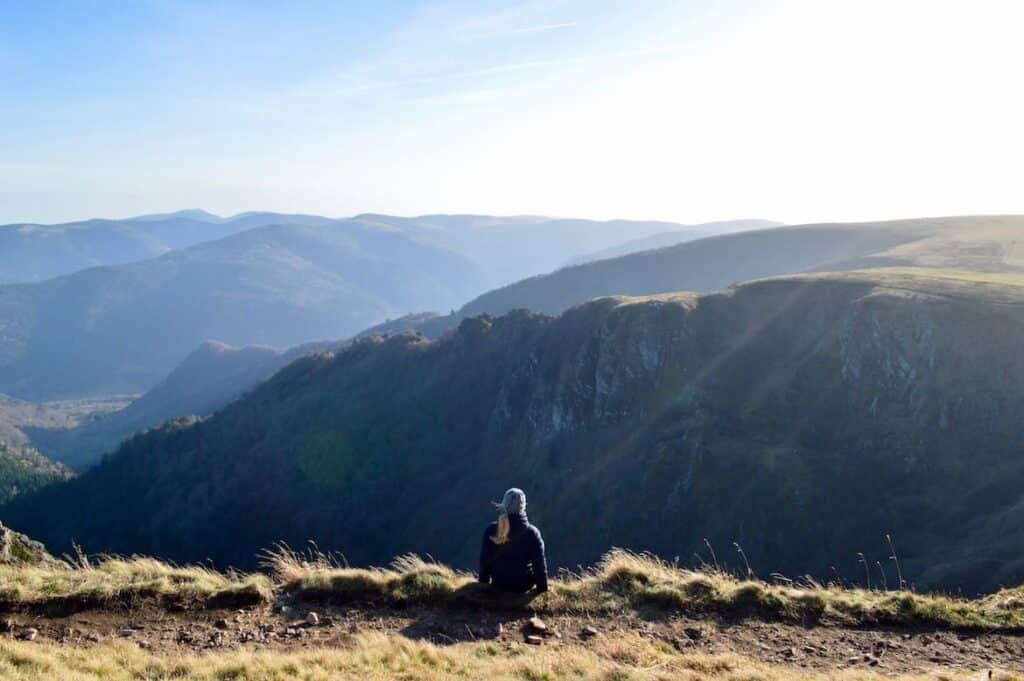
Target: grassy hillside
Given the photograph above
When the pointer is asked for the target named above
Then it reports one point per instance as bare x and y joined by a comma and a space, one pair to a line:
801, 418
979, 244
24, 470
122, 329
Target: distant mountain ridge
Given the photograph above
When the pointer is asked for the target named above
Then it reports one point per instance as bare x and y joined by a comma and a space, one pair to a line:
802, 417
121, 329
507, 248
273, 279
34, 252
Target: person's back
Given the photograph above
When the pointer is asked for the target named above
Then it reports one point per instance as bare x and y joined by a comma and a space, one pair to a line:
512, 552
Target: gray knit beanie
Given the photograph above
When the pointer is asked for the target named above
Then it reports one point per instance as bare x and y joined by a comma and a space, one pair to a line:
513, 502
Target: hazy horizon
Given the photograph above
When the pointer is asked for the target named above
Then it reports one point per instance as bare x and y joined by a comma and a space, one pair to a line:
689, 112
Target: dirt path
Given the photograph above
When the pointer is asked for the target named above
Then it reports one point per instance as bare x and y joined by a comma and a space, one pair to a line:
818, 647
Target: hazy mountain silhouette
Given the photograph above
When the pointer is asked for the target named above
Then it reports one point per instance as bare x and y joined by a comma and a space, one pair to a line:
32, 252
122, 329
511, 248
671, 238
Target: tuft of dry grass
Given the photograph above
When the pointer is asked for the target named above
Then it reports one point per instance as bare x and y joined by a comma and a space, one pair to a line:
409, 579
375, 657
112, 579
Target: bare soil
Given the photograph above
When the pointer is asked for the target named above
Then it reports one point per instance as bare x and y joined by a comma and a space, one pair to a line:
290, 628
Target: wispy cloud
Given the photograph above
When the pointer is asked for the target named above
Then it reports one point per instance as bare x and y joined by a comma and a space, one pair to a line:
544, 27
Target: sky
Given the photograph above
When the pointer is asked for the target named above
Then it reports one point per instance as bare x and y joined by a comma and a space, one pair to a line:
685, 110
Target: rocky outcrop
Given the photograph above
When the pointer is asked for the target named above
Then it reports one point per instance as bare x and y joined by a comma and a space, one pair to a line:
17, 549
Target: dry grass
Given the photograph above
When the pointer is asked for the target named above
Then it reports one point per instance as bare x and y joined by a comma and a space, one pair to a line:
621, 581
112, 580
409, 579
375, 657
626, 580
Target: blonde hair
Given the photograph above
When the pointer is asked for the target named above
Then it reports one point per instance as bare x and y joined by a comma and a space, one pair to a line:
514, 501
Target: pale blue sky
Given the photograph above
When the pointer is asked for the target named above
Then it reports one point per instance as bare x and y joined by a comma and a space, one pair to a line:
795, 110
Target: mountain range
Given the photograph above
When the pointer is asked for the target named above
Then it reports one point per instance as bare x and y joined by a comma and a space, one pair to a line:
985, 245
802, 418
269, 279
121, 329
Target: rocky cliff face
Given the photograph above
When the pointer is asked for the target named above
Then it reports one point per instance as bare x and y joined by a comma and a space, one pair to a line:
802, 419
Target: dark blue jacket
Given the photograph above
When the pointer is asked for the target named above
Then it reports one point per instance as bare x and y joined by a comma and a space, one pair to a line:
519, 563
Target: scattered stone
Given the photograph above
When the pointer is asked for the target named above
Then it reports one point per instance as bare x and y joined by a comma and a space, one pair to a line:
537, 624
534, 640
127, 632
588, 632
312, 619
222, 624
93, 637
267, 627
28, 634
145, 645
694, 633
7, 626
790, 652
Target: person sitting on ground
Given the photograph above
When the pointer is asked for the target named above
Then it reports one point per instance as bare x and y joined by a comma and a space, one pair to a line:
512, 555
